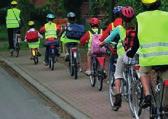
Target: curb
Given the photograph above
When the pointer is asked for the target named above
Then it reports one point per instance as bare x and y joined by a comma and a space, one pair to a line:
48, 93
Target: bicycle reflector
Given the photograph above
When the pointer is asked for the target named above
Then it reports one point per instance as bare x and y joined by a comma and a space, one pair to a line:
136, 67
165, 82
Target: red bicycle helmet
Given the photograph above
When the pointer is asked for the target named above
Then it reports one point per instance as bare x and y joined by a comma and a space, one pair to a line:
94, 21
127, 13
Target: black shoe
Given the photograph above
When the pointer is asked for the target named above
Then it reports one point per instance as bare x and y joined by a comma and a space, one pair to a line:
146, 102
117, 103
39, 54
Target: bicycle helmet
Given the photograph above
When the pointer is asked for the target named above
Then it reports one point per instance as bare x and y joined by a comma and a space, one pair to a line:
31, 23
71, 15
13, 2
94, 21
50, 16
127, 13
117, 9
149, 1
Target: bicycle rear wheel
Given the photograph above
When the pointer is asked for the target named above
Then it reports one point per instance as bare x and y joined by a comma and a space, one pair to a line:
51, 63
100, 79
17, 49
135, 98
111, 88
75, 68
93, 76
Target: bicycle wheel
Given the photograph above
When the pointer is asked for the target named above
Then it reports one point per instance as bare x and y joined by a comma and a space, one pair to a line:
111, 88
100, 79
125, 85
71, 66
51, 63
135, 98
93, 72
35, 59
17, 49
75, 68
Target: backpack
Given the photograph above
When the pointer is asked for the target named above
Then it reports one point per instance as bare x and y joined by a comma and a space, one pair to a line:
32, 36
130, 38
95, 48
75, 31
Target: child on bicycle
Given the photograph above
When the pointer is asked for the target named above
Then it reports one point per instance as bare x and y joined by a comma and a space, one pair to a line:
33, 37
118, 21
51, 30
127, 14
87, 38
71, 33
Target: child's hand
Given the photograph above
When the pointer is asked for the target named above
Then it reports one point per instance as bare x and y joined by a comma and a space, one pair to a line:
101, 44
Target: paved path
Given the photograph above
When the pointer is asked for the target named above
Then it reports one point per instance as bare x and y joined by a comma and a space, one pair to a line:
77, 93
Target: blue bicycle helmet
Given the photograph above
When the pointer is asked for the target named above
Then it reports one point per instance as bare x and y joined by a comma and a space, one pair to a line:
50, 16
117, 9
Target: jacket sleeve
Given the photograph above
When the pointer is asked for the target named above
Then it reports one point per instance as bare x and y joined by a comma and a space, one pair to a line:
106, 33
85, 38
112, 35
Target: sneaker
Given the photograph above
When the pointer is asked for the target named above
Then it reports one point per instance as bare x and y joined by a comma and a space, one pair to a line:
117, 103
146, 102
88, 72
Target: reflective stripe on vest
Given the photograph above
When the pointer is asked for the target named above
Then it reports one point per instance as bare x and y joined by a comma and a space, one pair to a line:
154, 39
120, 48
50, 30
13, 18
91, 35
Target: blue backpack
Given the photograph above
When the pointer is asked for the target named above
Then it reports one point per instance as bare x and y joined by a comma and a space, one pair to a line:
75, 31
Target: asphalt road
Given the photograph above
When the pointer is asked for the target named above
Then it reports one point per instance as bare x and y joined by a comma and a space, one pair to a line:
18, 103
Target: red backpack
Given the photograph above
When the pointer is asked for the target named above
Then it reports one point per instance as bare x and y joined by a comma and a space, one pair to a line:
130, 38
32, 36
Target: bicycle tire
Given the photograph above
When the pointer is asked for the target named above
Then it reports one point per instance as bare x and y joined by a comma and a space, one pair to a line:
111, 89
17, 49
93, 77
52, 63
71, 67
100, 81
135, 98
35, 59
75, 68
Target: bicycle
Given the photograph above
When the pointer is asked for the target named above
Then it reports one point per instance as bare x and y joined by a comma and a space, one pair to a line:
34, 52
16, 43
125, 82
98, 73
158, 109
73, 59
52, 45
